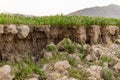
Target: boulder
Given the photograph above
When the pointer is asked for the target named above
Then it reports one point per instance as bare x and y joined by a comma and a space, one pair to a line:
93, 52
62, 65
79, 66
73, 79
10, 29
92, 78
5, 73
23, 31
1, 29
33, 79
75, 57
66, 78
53, 75
89, 58
117, 66
95, 71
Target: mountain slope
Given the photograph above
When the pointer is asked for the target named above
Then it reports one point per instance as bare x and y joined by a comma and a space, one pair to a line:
105, 11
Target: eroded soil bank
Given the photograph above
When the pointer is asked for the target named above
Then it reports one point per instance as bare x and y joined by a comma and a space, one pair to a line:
16, 40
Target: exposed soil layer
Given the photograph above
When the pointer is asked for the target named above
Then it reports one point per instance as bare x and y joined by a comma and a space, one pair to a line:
15, 41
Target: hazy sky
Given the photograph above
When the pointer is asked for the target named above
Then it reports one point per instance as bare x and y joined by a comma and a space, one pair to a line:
50, 7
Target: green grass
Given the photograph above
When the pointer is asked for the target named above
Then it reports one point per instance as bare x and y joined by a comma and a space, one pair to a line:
107, 74
79, 74
69, 45
26, 69
57, 20
107, 59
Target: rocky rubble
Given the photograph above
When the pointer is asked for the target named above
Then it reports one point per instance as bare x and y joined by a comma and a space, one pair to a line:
69, 60
100, 57
57, 71
5, 73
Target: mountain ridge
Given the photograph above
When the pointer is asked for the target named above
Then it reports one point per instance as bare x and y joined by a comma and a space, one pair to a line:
112, 11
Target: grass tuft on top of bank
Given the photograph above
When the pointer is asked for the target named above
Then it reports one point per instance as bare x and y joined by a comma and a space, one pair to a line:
57, 20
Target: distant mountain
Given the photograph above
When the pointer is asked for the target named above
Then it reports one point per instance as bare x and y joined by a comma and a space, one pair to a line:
105, 11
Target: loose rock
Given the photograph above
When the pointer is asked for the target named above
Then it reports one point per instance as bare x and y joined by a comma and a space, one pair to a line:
62, 65
117, 66
5, 73
95, 71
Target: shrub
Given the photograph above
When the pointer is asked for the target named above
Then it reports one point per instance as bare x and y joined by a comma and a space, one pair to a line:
25, 69
81, 56
51, 47
107, 74
107, 59
69, 45
119, 55
78, 74
72, 61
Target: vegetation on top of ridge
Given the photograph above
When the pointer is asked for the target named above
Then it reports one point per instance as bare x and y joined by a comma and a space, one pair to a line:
57, 20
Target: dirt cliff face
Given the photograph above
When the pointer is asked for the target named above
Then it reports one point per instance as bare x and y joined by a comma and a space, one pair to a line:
16, 40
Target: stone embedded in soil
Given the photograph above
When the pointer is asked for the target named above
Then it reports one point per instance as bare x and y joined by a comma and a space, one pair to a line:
109, 33
94, 34
23, 31
10, 29
113, 29
80, 34
1, 29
